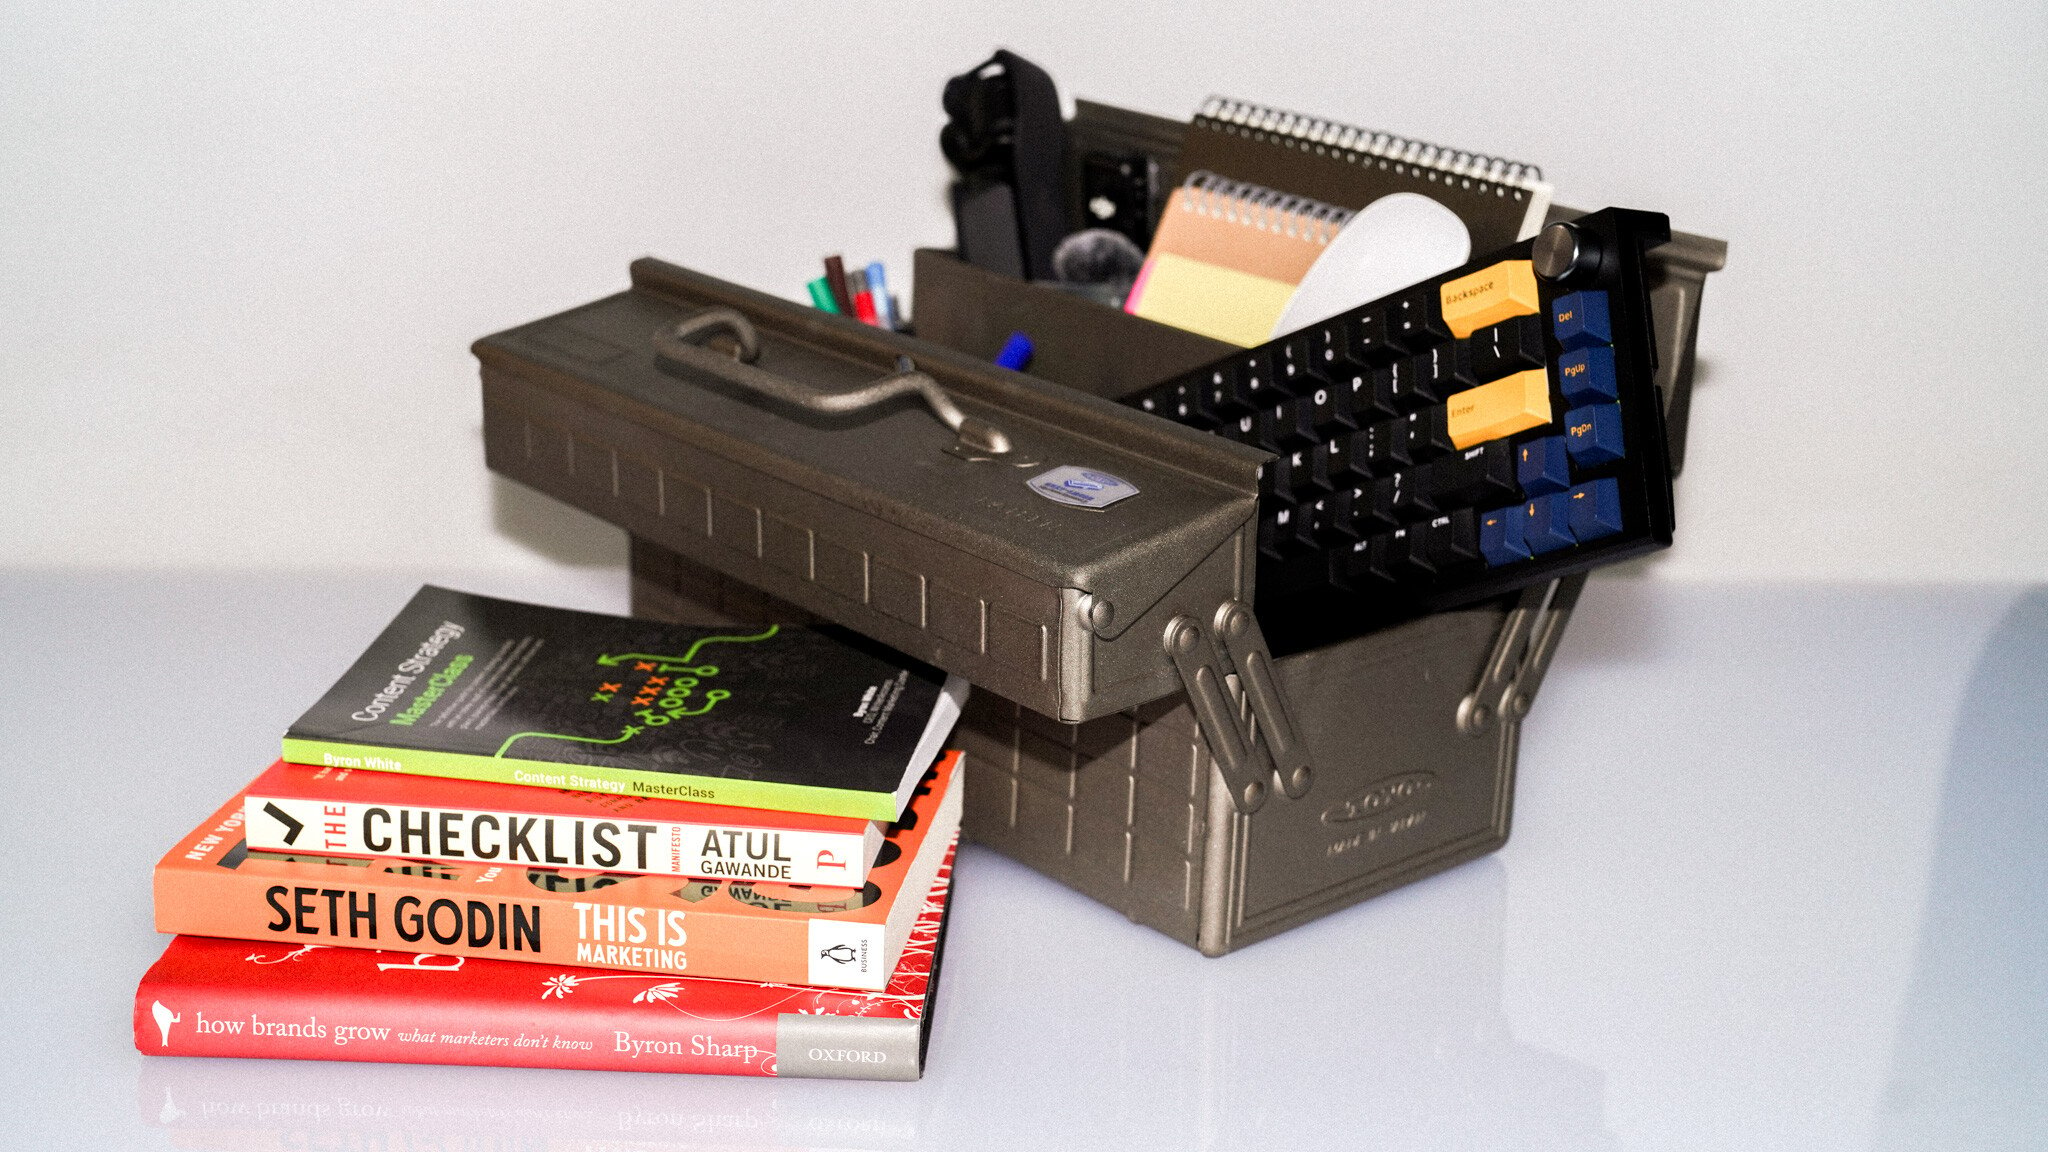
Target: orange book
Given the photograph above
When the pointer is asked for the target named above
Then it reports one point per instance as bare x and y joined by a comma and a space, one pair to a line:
211, 884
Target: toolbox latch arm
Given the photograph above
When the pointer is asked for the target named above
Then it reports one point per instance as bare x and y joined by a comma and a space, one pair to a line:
1238, 704
1522, 652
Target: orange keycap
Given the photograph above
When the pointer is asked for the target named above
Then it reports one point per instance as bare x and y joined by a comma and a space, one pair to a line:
1502, 408
1489, 296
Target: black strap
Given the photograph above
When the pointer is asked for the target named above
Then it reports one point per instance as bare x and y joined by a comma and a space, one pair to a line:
1003, 125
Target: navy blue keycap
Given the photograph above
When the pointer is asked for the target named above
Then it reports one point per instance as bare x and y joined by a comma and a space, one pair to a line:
1593, 434
1546, 524
1596, 510
1544, 466
1587, 376
1580, 320
1500, 536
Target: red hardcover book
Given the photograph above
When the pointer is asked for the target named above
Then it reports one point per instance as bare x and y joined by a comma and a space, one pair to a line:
208, 997
344, 812
213, 884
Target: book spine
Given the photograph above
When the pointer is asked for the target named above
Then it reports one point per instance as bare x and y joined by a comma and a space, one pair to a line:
735, 792
209, 1019
495, 924
655, 847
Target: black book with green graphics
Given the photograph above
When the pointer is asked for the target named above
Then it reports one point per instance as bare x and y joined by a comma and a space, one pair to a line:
797, 719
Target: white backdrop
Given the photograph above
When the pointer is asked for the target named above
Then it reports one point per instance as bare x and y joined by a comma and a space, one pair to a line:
243, 249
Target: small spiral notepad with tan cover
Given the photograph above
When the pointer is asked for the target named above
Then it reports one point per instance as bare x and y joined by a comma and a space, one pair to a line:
1228, 255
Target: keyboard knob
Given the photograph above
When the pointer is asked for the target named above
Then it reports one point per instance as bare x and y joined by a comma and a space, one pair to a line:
1563, 252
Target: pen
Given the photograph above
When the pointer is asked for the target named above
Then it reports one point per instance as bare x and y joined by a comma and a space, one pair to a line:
835, 280
1016, 353
878, 287
821, 295
863, 300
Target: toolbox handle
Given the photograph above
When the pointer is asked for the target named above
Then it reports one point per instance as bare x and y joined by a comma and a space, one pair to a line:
680, 344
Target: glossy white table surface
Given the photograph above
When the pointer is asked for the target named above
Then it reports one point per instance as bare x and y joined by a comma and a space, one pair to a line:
1778, 880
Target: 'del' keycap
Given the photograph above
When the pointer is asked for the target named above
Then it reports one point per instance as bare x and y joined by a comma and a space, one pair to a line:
1580, 320
1587, 376
1596, 510
1593, 434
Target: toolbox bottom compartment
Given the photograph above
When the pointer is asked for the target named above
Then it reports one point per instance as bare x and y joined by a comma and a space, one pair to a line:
1120, 808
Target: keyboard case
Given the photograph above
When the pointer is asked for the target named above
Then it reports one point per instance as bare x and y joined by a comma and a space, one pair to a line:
1090, 760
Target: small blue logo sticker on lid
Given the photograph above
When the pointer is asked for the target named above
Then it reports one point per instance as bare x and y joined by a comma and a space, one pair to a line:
1081, 487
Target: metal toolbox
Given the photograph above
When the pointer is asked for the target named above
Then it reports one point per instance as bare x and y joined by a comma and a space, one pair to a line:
1135, 770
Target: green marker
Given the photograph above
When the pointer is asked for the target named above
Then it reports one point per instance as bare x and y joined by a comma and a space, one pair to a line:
821, 295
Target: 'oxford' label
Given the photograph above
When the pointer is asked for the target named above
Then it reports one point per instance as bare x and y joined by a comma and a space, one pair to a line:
1081, 487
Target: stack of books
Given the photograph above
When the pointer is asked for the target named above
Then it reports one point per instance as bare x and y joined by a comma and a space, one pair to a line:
517, 835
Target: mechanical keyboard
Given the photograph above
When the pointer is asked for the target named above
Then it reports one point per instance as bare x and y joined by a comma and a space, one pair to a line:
1488, 429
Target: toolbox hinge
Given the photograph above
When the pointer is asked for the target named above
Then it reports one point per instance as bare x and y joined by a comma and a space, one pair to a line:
1522, 651
1237, 702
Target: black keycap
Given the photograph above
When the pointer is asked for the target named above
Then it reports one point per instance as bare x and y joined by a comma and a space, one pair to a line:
1255, 430
1357, 388
1293, 425
1255, 368
1327, 521
1441, 372
1428, 434
1295, 477
1372, 508
1274, 482
1452, 541
1364, 567
1409, 502
1408, 555
1396, 500
1444, 369
1345, 458
1482, 475
1415, 320
1386, 446
1283, 531
1508, 347
1186, 402
1335, 520
1160, 400
1298, 371
1303, 574
1393, 389
1330, 412
1365, 338
1228, 398
1327, 352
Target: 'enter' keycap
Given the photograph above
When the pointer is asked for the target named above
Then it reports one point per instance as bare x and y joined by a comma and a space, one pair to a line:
1489, 296
1502, 408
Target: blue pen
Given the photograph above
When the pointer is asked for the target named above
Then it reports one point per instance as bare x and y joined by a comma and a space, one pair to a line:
879, 287
1016, 353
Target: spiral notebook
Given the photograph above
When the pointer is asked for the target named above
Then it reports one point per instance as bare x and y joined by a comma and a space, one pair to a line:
1228, 255
1500, 201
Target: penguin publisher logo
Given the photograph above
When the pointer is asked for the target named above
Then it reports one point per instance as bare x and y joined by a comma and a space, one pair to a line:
838, 954
164, 1019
